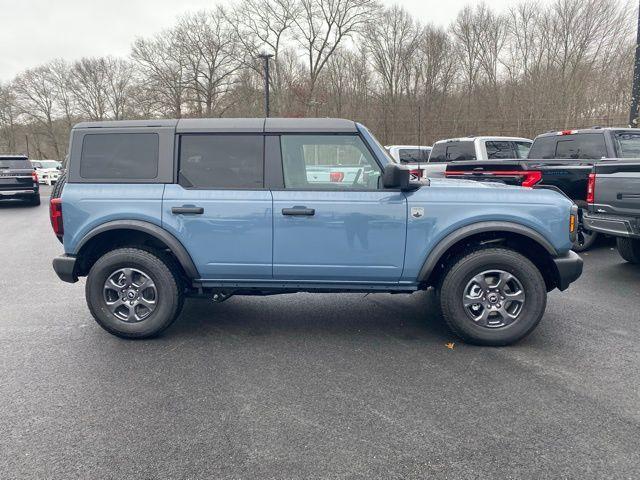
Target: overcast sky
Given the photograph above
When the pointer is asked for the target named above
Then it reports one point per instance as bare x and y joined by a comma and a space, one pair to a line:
36, 31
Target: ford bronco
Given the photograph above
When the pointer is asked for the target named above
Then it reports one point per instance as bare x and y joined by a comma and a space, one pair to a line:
153, 211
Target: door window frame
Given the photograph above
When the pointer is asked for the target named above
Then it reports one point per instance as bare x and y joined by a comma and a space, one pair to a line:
274, 164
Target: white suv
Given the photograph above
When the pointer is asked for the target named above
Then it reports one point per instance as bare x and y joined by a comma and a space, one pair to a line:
474, 148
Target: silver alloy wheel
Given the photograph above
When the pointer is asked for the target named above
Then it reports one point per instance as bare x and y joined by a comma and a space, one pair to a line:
493, 298
130, 294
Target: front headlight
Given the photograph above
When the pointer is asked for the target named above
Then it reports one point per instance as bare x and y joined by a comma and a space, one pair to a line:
573, 223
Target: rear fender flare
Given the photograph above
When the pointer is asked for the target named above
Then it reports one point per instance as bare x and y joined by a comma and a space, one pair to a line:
151, 229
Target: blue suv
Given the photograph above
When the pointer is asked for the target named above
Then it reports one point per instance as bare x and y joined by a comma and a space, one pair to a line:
153, 211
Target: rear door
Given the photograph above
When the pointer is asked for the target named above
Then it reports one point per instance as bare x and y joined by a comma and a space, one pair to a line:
219, 209
346, 230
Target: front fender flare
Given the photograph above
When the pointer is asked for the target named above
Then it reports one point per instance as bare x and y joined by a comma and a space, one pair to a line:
155, 231
481, 227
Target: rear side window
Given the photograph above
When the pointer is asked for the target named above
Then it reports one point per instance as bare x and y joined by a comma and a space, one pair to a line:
119, 156
221, 161
581, 146
543, 147
500, 149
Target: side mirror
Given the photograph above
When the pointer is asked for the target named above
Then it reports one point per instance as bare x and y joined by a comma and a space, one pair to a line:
395, 176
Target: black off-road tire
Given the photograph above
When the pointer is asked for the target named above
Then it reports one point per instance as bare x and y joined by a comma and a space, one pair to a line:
465, 268
170, 293
56, 191
629, 249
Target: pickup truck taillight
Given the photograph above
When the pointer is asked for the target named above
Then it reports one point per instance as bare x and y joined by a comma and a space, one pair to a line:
55, 214
591, 188
528, 177
416, 172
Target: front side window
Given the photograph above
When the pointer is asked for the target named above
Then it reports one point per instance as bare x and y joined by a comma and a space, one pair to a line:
328, 162
210, 161
627, 144
500, 149
119, 156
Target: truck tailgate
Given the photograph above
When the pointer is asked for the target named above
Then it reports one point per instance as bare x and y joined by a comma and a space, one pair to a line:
617, 188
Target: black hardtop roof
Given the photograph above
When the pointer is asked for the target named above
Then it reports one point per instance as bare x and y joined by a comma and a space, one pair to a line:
236, 125
575, 131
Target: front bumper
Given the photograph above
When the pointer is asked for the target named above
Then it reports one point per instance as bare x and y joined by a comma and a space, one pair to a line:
616, 225
65, 268
569, 269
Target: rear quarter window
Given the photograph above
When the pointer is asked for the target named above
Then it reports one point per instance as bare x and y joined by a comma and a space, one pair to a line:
119, 156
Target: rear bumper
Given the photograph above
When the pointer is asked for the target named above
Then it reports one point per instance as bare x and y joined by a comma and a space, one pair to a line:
65, 268
615, 225
19, 193
569, 269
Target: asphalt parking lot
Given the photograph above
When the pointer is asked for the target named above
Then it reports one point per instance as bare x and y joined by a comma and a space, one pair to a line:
312, 386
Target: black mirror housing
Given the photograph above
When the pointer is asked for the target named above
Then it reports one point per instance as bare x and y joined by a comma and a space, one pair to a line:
395, 176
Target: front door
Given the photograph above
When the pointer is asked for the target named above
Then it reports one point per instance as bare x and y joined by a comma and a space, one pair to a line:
332, 222
219, 209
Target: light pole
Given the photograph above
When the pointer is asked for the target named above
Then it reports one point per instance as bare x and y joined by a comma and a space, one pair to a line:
635, 89
265, 58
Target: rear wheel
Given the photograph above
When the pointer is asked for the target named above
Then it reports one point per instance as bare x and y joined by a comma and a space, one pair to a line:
132, 293
493, 296
629, 249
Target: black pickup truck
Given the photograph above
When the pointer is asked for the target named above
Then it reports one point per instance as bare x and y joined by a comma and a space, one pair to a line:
614, 205
18, 179
559, 160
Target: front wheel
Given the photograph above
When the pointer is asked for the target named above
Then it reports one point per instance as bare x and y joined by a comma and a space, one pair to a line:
493, 296
132, 293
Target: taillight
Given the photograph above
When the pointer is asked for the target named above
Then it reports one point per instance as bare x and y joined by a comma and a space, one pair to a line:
417, 172
55, 215
336, 177
34, 175
591, 188
529, 177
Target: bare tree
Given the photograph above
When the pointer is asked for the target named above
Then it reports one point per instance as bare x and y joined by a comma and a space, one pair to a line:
323, 25
163, 72
35, 92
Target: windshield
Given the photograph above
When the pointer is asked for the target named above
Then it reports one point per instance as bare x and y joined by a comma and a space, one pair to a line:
14, 163
373, 142
627, 144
